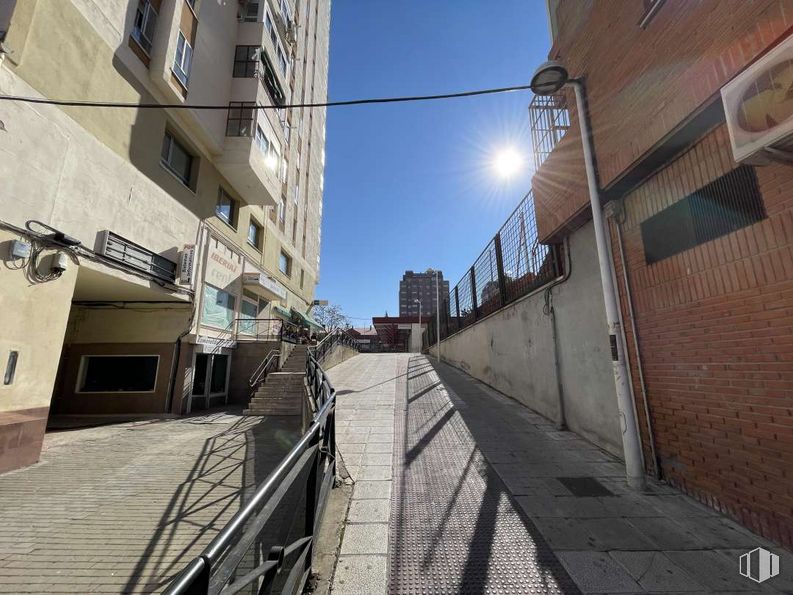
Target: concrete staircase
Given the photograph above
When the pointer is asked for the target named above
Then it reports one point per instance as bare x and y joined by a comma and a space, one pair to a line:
283, 392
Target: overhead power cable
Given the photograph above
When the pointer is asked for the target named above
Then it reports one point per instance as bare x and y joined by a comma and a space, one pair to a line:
376, 100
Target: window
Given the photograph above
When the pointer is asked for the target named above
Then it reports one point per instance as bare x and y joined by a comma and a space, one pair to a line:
296, 197
145, 22
241, 118
255, 234
285, 264
725, 205
176, 158
283, 63
268, 23
217, 308
249, 310
285, 14
651, 8
246, 58
282, 175
282, 209
248, 12
262, 141
117, 373
182, 60
302, 278
226, 208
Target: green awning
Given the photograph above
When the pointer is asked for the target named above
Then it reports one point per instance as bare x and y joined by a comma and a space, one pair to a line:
282, 312
308, 320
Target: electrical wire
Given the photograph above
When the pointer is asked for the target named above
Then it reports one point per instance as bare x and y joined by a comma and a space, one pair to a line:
369, 101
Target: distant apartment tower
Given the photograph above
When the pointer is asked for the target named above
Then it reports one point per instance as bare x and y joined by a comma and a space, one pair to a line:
421, 286
195, 225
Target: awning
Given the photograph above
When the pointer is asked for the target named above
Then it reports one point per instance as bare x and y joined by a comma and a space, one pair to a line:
308, 320
282, 312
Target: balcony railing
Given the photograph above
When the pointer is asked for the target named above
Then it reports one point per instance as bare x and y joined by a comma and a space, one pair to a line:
550, 120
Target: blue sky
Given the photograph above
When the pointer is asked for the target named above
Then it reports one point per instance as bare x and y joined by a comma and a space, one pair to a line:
411, 186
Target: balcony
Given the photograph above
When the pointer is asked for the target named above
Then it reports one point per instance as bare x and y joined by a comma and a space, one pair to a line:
251, 157
256, 34
549, 120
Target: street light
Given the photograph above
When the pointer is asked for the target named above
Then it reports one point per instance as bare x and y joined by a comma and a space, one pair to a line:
549, 78
437, 316
421, 335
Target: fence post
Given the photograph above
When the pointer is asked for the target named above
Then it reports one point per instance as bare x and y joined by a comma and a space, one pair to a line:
457, 308
502, 281
473, 292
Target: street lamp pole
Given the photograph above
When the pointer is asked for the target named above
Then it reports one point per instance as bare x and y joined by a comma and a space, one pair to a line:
437, 316
550, 78
421, 335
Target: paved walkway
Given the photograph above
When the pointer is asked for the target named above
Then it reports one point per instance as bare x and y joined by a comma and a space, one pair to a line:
482, 495
123, 508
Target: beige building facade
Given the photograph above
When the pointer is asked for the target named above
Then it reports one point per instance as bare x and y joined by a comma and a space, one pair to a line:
142, 248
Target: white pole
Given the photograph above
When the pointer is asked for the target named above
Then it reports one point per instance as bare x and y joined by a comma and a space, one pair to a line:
634, 467
437, 316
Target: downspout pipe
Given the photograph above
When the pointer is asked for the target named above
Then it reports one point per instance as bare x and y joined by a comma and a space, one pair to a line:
618, 219
548, 310
634, 464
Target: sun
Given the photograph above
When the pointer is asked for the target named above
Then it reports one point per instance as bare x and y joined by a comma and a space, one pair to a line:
507, 162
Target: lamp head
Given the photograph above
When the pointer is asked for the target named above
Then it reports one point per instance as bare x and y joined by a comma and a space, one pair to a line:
549, 78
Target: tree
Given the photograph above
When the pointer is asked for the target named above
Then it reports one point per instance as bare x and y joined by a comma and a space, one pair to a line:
331, 317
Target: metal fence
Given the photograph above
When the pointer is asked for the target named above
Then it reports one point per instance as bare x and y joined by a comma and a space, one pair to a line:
550, 120
247, 556
512, 265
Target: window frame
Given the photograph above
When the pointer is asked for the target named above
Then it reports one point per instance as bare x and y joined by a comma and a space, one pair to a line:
651, 8
178, 67
166, 161
231, 221
251, 61
257, 242
79, 387
139, 32
283, 257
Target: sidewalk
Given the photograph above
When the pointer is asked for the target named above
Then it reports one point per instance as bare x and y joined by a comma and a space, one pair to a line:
122, 508
487, 497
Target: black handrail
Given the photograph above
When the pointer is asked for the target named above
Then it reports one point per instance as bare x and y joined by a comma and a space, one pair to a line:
335, 337
213, 571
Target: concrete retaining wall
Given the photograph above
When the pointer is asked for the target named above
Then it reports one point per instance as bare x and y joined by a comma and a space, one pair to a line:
512, 350
335, 356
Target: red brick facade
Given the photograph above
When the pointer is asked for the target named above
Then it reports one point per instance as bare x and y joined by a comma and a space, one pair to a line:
643, 83
715, 327
715, 322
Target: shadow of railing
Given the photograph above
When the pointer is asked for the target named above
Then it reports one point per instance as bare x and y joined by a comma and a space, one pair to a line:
227, 470
503, 550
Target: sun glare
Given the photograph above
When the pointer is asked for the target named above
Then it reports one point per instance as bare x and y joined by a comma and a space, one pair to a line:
507, 162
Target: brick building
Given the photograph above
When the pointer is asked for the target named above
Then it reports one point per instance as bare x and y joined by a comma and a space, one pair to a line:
422, 287
702, 245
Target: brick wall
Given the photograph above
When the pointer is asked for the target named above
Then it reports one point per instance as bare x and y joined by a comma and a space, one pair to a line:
715, 327
643, 83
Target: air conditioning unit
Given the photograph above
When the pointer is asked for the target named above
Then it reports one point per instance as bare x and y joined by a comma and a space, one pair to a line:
758, 107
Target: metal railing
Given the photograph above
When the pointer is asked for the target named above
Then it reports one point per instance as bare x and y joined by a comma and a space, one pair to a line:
237, 560
513, 264
550, 120
335, 337
269, 362
265, 329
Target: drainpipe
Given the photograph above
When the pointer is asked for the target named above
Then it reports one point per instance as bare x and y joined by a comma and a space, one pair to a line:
548, 310
617, 215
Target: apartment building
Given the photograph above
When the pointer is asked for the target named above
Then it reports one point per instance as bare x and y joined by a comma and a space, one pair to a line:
421, 287
144, 247
691, 127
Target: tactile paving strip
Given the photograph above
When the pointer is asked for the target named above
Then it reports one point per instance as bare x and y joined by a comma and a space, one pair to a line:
454, 527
